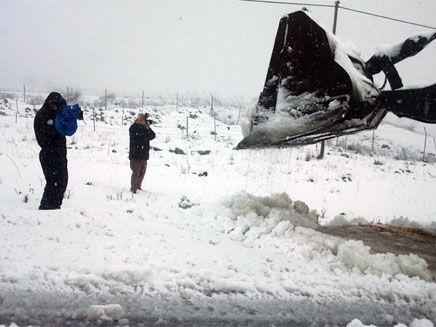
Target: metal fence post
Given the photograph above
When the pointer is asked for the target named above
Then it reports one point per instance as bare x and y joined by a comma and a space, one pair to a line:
239, 113
214, 124
16, 114
142, 100
211, 105
187, 127
93, 116
425, 144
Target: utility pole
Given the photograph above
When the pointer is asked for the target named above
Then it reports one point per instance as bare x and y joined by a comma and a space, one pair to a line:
335, 19
24, 92
105, 100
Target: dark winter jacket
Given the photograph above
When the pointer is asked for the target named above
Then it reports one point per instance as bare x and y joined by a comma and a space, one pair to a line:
51, 142
140, 138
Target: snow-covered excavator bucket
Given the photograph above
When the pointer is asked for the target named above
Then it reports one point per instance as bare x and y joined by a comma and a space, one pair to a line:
316, 88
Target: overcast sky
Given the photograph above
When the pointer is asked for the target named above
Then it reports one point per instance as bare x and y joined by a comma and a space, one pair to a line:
160, 46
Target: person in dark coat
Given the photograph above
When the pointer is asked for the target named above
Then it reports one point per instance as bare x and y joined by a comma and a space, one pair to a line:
53, 154
140, 136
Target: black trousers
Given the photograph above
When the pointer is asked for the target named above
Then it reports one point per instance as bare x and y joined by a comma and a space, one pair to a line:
55, 172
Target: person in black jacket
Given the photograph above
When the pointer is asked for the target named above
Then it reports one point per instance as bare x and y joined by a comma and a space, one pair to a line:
140, 136
53, 154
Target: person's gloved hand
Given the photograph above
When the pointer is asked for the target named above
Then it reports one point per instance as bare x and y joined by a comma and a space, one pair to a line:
77, 108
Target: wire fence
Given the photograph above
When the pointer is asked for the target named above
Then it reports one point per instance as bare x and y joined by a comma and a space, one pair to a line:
92, 122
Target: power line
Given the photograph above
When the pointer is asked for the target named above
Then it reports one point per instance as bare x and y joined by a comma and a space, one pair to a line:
289, 3
384, 17
345, 8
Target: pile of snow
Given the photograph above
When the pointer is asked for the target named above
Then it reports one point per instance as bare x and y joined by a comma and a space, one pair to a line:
278, 216
354, 254
341, 220
415, 323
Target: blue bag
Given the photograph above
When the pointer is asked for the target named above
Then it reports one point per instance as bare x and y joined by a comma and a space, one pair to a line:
66, 119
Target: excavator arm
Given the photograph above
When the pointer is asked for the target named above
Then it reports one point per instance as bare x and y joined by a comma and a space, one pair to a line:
316, 89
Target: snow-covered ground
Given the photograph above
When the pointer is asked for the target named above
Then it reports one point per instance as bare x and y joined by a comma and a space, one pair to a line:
218, 236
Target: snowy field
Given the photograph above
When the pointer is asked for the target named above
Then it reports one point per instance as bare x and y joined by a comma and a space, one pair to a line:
218, 236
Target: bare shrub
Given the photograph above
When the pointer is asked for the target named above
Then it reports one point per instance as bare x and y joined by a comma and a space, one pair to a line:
73, 95
36, 100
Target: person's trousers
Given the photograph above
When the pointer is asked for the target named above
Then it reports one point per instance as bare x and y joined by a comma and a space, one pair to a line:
56, 176
138, 167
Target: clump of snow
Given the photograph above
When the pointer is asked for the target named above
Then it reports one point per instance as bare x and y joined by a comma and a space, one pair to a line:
256, 215
358, 323
244, 203
421, 323
415, 323
356, 255
105, 312
339, 220
342, 220
185, 203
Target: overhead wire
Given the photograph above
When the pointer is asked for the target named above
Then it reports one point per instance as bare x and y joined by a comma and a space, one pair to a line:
341, 7
290, 3
386, 17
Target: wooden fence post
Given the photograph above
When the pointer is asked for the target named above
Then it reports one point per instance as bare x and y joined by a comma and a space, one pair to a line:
93, 116
425, 144
142, 100
16, 114
214, 123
